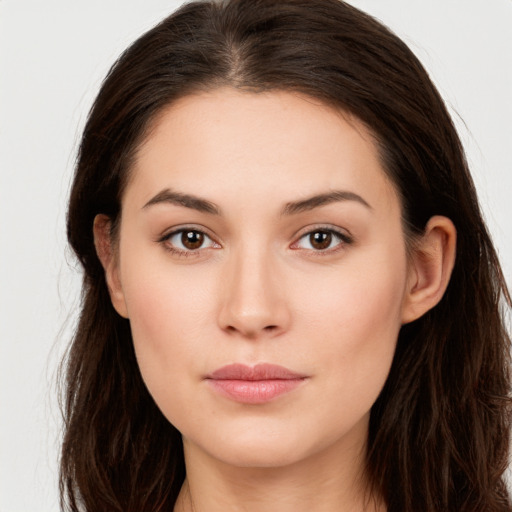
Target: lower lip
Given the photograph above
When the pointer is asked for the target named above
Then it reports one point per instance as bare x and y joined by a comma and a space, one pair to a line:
255, 391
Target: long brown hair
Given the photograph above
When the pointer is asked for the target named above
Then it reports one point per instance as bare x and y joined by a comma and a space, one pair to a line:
439, 431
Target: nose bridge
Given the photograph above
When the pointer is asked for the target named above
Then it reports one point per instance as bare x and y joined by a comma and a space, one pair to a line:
253, 302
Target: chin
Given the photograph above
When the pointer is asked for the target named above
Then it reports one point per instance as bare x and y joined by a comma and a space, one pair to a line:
273, 445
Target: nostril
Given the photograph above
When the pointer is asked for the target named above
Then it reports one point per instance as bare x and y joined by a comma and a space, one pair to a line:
252, 333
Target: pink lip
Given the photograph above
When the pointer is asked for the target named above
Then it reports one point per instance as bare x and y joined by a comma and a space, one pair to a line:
254, 385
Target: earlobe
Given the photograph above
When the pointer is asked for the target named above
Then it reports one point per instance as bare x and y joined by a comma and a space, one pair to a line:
430, 268
109, 261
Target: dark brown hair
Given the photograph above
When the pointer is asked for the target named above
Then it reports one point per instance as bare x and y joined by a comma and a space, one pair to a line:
439, 431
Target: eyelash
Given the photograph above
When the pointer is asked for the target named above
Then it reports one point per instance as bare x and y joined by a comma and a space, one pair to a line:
187, 253
343, 240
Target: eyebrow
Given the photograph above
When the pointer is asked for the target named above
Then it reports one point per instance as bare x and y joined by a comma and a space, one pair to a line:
292, 208
322, 200
186, 200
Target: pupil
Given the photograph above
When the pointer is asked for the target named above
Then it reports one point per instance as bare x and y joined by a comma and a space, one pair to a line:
321, 239
192, 239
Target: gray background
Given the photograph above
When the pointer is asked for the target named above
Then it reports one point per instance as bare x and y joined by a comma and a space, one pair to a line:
53, 56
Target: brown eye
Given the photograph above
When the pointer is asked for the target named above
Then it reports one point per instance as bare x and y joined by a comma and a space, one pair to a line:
192, 239
320, 240
188, 241
323, 241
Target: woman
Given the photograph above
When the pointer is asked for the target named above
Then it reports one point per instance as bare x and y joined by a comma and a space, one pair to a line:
291, 301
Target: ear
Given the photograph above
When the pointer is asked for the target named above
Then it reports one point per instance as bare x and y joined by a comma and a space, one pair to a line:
430, 268
109, 260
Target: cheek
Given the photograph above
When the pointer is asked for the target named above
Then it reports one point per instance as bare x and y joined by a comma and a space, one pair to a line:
356, 321
168, 310
161, 309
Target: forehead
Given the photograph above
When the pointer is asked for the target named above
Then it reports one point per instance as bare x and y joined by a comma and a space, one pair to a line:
232, 143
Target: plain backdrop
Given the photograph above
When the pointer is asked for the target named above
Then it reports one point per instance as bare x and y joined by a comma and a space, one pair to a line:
53, 56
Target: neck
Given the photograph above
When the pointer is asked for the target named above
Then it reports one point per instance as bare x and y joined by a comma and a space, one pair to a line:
329, 481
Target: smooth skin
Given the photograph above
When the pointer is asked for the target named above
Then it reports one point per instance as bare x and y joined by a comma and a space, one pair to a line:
261, 228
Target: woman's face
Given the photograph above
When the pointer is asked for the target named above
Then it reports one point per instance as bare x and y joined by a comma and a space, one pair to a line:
262, 265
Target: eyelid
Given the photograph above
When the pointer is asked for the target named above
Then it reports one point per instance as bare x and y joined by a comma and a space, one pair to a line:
175, 230
184, 227
342, 234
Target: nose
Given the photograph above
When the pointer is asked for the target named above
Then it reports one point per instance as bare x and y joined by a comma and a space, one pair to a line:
253, 301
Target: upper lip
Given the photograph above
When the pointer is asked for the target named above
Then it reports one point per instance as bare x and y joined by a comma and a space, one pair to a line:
262, 371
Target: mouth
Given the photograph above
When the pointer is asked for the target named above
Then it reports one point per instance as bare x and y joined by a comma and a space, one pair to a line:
254, 385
